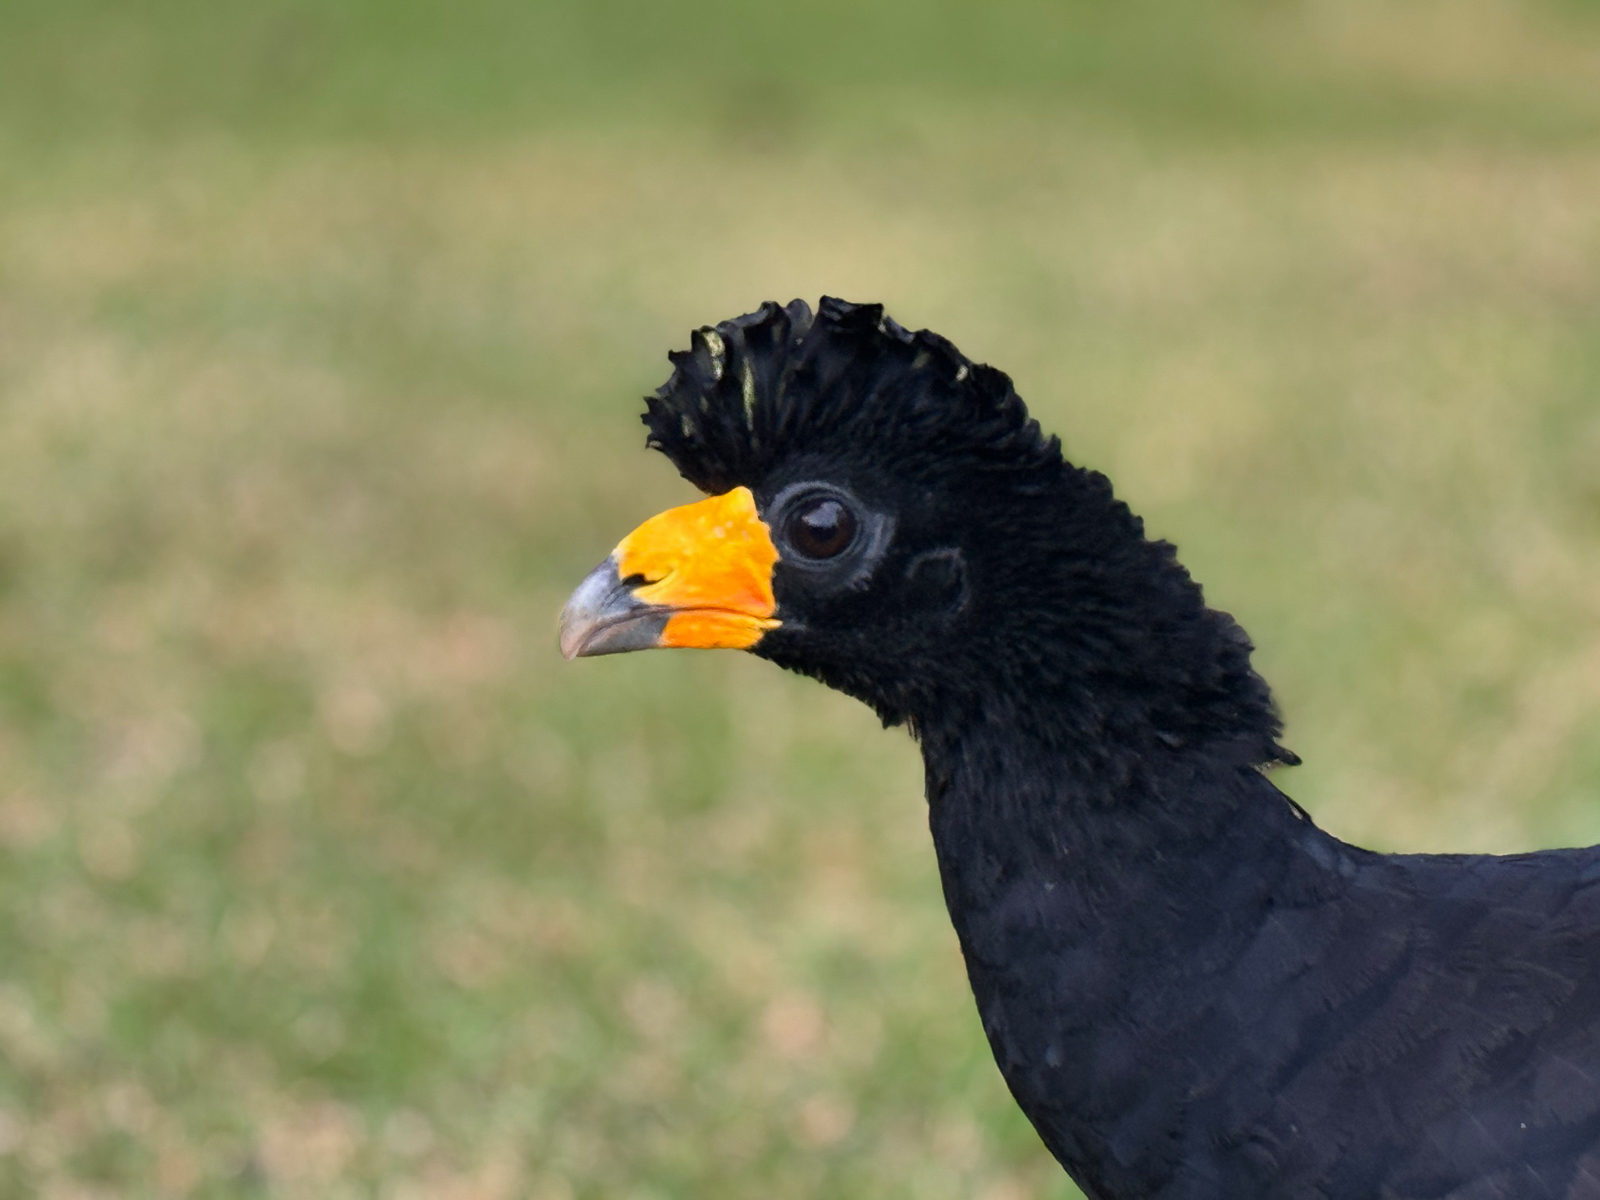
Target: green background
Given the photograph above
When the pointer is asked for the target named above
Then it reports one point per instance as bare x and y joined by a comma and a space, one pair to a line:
322, 333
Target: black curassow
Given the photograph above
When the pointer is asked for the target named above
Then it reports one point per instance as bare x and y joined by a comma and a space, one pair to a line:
1192, 991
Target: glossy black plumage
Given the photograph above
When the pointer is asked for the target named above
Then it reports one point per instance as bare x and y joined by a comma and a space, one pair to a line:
1192, 991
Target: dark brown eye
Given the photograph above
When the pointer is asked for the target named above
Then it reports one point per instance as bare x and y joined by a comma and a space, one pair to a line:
821, 528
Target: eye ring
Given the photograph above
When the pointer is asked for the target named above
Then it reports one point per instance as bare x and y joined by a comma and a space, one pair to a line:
821, 527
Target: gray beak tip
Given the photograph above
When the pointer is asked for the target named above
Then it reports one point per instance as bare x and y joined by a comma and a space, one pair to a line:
604, 617
571, 638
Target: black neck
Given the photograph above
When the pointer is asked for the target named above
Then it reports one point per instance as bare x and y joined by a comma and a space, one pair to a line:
1090, 634
1073, 885
1038, 802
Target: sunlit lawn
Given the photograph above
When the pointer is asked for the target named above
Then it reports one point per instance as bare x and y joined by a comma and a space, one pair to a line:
321, 875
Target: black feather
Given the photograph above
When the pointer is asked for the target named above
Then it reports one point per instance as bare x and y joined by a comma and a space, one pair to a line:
778, 383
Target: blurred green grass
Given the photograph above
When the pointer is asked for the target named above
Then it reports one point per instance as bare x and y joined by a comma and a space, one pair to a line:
321, 333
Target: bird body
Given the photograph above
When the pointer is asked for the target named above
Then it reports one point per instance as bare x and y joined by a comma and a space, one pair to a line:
1192, 991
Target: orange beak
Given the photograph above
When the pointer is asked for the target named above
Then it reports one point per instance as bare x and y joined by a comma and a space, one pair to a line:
695, 577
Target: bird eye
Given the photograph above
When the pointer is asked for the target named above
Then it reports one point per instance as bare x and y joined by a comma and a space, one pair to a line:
821, 528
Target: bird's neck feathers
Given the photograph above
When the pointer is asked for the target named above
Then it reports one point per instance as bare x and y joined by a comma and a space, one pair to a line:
1091, 906
1094, 640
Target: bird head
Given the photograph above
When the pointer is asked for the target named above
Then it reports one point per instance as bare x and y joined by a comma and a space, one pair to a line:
884, 515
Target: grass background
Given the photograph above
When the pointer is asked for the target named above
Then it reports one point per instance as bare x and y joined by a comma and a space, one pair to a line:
322, 329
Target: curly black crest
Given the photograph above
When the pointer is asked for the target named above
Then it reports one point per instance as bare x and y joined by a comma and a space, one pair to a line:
780, 382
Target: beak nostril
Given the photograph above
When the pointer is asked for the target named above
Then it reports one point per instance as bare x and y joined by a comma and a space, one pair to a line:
636, 581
